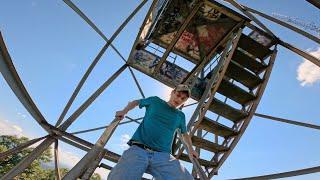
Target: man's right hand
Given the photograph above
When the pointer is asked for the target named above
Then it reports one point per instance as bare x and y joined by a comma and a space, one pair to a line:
120, 114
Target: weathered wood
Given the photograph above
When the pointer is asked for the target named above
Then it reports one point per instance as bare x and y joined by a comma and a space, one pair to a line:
234, 92
253, 47
203, 162
208, 145
243, 76
248, 62
85, 162
226, 110
216, 128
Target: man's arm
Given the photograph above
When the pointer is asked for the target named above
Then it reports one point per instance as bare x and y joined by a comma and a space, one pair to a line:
187, 140
130, 106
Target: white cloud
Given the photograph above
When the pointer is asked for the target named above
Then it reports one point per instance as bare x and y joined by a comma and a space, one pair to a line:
124, 139
22, 116
67, 159
6, 128
307, 72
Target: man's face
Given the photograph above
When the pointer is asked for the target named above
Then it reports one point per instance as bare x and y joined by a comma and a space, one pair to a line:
177, 98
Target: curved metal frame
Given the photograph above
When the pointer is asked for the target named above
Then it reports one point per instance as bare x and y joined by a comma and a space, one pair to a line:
11, 76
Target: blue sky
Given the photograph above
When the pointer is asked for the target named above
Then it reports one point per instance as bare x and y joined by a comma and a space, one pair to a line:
52, 47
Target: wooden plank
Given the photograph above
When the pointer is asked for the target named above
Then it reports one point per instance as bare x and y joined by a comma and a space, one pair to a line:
253, 47
234, 92
207, 145
216, 128
243, 76
203, 162
226, 111
248, 62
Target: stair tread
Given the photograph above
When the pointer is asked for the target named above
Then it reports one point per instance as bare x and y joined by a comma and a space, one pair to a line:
216, 128
234, 92
226, 110
202, 162
248, 62
207, 145
242, 76
253, 47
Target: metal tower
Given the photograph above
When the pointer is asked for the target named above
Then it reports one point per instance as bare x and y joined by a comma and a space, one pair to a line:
227, 61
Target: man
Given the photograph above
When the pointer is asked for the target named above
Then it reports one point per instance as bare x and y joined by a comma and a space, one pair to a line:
151, 143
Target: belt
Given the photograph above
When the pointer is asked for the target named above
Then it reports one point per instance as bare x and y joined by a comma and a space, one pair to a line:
142, 146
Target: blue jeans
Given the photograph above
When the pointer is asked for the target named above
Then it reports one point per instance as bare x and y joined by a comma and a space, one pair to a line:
161, 165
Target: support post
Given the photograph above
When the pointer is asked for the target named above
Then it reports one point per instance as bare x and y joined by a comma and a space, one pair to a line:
56, 160
20, 147
86, 161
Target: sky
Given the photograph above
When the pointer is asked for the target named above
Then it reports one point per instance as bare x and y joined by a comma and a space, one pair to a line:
51, 48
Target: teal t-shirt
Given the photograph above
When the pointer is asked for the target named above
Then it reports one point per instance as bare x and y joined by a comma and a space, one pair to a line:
159, 124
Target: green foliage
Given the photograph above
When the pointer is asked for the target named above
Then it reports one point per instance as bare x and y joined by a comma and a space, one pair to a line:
35, 170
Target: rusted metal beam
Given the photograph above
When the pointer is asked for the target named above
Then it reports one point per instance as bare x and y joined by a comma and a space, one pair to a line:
12, 78
252, 17
287, 25
20, 147
56, 160
316, 3
95, 61
23, 164
94, 27
288, 121
285, 174
87, 103
300, 52
86, 161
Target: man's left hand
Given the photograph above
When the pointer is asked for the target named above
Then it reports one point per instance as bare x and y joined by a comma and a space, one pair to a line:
194, 154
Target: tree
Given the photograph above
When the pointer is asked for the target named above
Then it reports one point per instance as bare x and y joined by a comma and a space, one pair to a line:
35, 170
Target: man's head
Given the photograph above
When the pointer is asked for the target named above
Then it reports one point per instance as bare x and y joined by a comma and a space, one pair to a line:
179, 95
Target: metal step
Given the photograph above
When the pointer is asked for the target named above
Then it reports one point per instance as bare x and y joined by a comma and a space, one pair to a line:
243, 76
248, 62
226, 111
253, 47
207, 145
216, 128
202, 162
234, 92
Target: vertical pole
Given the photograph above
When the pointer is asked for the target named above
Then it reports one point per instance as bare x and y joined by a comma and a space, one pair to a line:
56, 160
86, 161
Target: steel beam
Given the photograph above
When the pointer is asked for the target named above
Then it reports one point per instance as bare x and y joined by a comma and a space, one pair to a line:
289, 26
95, 61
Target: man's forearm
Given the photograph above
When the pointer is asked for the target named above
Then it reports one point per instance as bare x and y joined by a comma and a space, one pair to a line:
188, 141
131, 105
